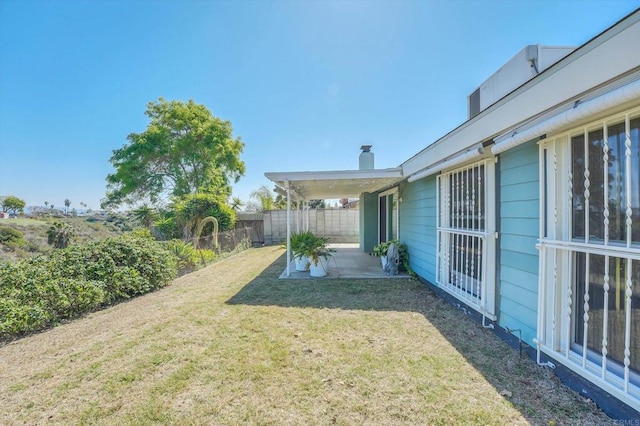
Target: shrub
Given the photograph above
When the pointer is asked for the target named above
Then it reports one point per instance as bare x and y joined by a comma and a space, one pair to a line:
60, 235
188, 257
38, 292
166, 228
9, 236
199, 206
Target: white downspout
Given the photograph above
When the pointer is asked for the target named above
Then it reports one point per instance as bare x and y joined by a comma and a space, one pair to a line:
288, 229
298, 215
484, 296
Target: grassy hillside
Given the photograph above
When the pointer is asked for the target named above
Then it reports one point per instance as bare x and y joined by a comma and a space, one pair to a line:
35, 233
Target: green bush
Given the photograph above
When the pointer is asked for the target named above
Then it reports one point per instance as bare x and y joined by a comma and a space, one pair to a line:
201, 206
38, 292
188, 257
166, 228
10, 236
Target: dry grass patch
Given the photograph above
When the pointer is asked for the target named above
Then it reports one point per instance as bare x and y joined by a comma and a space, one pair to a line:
232, 344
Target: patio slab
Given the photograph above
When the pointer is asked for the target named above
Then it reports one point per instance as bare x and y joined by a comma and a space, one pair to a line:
347, 262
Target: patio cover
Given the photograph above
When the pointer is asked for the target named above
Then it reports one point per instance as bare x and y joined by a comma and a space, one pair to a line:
329, 185
335, 184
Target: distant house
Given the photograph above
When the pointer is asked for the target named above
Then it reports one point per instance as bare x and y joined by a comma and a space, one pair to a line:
528, 214
4, 215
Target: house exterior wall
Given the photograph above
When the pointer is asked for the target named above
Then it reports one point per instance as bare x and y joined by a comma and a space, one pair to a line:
519, 223
544, 294
418, 226
368, 221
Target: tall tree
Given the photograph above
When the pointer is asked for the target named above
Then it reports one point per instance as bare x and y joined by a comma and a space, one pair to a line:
67, 203
184, 150
12, 204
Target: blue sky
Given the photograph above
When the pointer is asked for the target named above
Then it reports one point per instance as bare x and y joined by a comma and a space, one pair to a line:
305, 83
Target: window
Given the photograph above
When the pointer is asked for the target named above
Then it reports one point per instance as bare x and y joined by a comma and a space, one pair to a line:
466, 241
589, 292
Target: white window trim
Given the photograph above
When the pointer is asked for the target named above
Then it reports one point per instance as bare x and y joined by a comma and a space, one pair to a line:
487, 305
393, 191
555, 333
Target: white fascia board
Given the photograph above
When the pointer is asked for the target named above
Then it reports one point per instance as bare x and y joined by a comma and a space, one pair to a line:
334, 175
611, 54
620, 96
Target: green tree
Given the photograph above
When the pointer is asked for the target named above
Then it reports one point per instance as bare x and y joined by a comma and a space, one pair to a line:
67, 203
265, 197
184, 150
60, 235
12, 204
316, 204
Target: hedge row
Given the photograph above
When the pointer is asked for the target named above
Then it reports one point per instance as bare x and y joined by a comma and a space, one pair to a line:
38, 292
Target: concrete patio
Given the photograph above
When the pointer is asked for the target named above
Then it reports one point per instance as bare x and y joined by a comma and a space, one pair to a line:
347, 262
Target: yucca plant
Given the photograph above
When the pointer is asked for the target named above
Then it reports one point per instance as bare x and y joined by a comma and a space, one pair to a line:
60, 235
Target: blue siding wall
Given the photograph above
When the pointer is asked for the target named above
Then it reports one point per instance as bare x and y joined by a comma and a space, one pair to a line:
418, 226
519, 220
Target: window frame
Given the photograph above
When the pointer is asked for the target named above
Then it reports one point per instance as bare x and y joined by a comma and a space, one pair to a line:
393, 196
558, 306
485, 304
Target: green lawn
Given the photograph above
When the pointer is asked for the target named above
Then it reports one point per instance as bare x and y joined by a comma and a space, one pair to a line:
232, 344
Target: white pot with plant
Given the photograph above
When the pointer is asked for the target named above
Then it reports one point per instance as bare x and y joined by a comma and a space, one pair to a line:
381, 251
318, 254
298, 243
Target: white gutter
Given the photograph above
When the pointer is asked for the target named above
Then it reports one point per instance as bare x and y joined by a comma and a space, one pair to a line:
452, 162
579, 112
288, 230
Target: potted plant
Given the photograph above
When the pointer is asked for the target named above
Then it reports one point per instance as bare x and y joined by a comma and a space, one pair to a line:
298, 242
317, 252
381, 251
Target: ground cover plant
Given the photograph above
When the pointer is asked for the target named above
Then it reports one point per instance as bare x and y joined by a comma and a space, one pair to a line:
232, 344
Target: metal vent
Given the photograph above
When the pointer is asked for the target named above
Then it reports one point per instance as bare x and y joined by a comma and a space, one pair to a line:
474, 103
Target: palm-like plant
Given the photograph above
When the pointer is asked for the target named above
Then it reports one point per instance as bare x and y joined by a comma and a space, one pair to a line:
265, 197
146, 215
67, 203
60, 235
236, 203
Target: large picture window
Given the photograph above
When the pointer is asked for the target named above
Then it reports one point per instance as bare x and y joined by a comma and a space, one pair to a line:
589, 295
466, 239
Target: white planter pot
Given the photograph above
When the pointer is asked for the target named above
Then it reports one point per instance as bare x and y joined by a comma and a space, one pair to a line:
302, 263
318, 270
